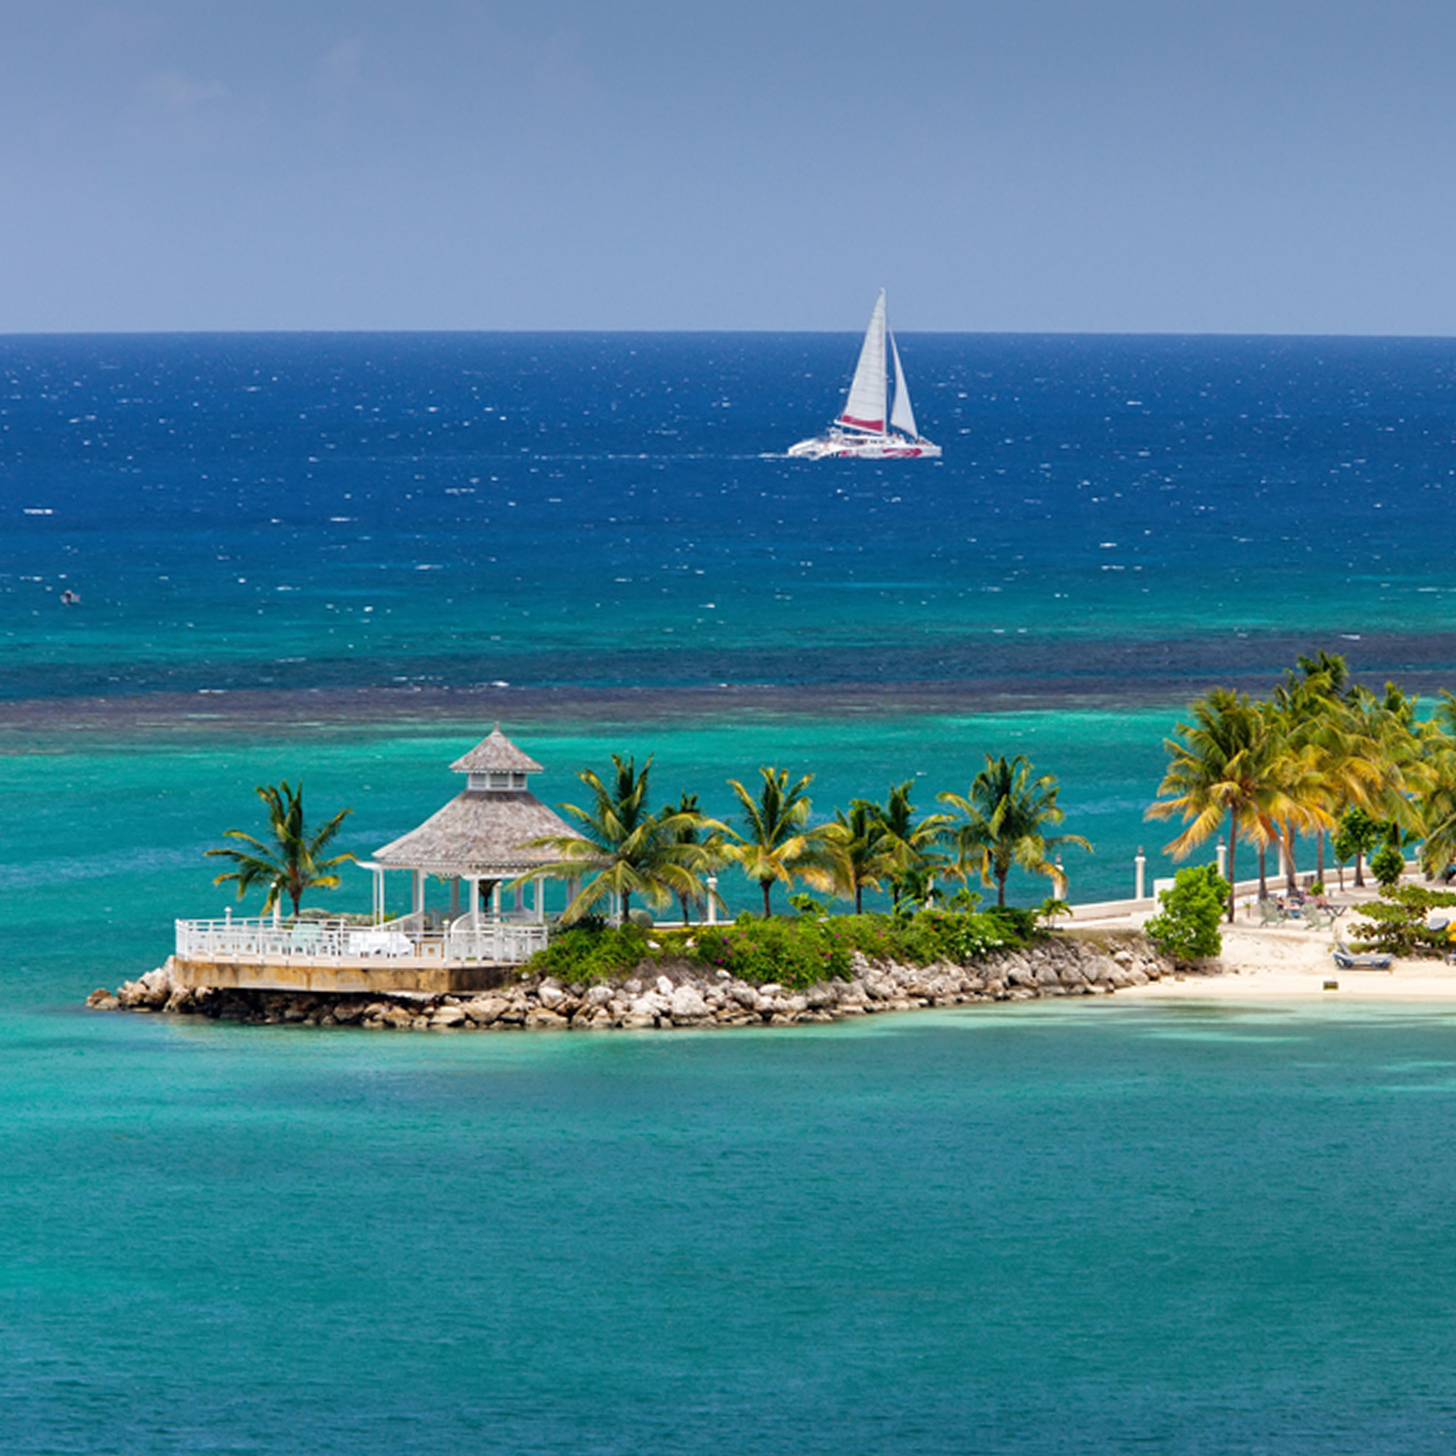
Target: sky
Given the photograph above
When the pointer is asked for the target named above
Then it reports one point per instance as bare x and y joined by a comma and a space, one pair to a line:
1122, 166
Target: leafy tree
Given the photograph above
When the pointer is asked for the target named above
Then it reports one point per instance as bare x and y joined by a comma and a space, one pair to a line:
632, 851
1186, 926
1396, 922
292, 861
1387, 864
1356, 835
1003, 821
776, 845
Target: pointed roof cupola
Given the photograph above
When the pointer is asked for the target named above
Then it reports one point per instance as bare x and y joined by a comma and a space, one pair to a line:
485, 832
495, 763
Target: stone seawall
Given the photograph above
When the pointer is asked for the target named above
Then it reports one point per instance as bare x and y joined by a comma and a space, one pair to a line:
677, 994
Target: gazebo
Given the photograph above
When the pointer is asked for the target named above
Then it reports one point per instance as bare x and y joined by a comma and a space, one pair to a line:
478, 842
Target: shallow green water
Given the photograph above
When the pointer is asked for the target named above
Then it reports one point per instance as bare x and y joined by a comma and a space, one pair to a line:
1106, 1227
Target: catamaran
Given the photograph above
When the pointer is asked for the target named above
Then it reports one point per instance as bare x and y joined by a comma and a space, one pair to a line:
860, 430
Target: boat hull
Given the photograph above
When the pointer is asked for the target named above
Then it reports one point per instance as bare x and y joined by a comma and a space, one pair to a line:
864, 447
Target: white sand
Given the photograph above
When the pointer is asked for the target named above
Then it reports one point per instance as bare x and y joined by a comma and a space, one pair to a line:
1292, 961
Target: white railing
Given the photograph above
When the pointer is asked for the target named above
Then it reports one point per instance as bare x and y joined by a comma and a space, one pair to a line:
501, 942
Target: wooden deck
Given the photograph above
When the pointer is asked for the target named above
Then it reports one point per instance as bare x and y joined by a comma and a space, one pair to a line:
333, 956
343, 977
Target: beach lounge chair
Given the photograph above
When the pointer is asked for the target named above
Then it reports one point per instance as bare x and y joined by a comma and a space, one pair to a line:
1270, 914
1350, 960
1316, 918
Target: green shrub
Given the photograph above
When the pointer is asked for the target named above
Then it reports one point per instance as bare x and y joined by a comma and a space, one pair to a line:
795, 952
1187, 925
1387, 864
1396, 922
586, 954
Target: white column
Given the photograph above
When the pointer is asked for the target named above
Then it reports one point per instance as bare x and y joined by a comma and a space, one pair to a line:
419, 902
712, 899
1142, 863
1222, 858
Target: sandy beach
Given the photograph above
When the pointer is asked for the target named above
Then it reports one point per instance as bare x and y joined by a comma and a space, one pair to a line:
1291, 961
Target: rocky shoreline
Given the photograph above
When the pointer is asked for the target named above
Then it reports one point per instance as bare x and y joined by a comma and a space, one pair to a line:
677, 995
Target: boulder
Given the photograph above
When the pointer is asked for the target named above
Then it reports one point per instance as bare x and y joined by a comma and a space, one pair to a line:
687, 1005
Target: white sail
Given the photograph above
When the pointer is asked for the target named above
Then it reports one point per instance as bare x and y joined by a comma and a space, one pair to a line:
902, 416
861, 431
865, 407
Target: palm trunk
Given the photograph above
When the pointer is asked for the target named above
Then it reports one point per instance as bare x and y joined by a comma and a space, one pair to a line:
1232, 879
766, 886
1263, 878
1291, 879
1359, 870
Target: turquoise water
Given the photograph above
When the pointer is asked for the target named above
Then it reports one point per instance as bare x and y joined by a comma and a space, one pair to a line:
1111, 1227
1107, 1227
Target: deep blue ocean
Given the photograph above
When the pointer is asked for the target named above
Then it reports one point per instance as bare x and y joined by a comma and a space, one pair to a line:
341, 558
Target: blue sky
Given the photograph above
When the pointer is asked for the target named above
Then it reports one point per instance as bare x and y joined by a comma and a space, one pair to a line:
1018, 165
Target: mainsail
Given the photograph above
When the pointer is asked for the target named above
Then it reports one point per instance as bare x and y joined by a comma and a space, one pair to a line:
865, 407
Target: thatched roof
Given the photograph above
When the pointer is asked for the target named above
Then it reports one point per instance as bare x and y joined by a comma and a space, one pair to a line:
498, 754
478, 835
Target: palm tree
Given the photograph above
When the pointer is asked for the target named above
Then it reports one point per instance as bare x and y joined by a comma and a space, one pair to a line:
633, 851
1004, 815
1436, 804
777, 846
1304, 768
686, 822
910, 844
291, 862
1222, 766
856, 842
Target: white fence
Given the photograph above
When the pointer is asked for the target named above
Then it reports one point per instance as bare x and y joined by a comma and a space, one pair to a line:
498, 942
